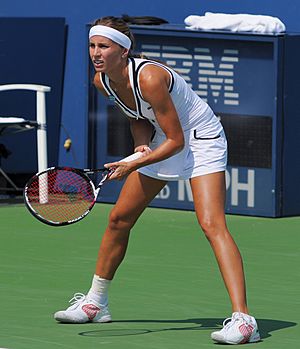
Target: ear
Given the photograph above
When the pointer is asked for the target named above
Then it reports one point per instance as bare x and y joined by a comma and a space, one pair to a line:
125, 53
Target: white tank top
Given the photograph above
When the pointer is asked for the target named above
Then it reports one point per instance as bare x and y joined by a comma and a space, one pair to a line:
192, 111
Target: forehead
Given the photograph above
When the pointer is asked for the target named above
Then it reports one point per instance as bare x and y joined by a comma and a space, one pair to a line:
99, 39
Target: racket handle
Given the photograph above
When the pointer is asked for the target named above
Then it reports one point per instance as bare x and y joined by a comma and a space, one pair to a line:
132, 157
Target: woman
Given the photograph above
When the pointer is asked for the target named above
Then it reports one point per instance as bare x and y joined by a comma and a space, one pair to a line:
189, 143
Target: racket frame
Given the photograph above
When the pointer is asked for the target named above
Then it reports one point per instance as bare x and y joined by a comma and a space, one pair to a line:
81, 172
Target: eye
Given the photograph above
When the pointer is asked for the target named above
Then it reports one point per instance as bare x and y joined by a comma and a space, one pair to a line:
92, 45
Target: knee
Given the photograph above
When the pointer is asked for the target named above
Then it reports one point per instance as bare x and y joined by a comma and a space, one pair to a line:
117, 221
212, 228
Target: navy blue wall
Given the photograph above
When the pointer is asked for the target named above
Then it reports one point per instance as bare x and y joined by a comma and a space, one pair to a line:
79, 13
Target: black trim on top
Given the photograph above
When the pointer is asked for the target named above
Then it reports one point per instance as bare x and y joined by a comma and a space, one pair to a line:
205, 138
102, 76
117, 99
136, 89
160, 65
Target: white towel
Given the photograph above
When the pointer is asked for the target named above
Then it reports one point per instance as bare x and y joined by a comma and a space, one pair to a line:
235, 23
10, 119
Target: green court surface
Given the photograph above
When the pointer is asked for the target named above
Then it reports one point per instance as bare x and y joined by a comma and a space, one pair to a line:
167, 294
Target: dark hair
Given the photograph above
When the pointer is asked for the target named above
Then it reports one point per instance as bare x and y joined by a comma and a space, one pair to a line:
118, 24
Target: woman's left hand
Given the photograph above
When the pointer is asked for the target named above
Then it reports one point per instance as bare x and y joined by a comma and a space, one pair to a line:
144, 149
122, 169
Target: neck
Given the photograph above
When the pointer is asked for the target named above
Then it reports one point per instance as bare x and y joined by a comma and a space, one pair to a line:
119, 76
119, 80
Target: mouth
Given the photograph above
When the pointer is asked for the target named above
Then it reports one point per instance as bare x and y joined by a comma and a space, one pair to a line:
98, 63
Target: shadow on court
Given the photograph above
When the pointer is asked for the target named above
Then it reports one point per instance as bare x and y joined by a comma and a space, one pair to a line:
266, 326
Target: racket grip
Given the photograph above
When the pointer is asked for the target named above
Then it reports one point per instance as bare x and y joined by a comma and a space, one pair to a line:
132, 157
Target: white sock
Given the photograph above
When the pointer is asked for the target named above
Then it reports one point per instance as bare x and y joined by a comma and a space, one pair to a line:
99, 290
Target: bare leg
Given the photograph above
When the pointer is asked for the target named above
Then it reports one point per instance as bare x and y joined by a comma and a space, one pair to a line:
138, 191
209, 198
136, 194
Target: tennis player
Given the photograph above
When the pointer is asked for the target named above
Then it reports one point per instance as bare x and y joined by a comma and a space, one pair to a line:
181, 139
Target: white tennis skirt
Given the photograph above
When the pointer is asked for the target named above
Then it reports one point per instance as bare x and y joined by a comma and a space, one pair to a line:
199, 157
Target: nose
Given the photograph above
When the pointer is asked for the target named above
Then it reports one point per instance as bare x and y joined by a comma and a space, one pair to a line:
97, 51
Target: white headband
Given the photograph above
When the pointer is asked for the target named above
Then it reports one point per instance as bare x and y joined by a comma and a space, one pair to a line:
111, 34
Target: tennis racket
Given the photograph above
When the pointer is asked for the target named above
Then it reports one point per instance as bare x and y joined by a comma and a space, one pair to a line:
62, 195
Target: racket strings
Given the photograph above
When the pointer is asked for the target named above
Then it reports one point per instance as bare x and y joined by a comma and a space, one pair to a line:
60, 195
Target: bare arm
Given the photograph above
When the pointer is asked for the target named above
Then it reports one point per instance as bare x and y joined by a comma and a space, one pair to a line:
98, 84
154, 83
142, 132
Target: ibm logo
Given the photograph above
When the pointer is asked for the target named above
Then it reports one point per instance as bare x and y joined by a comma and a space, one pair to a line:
211, 79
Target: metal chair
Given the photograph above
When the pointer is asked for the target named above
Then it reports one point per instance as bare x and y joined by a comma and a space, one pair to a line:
14, 124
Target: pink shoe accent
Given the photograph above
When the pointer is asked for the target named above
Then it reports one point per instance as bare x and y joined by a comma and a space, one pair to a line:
246, 331
91, 310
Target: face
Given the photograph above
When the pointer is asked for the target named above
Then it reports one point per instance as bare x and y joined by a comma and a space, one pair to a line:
106, 55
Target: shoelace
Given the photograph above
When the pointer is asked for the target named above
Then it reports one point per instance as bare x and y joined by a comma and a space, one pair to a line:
229, 322
77, 298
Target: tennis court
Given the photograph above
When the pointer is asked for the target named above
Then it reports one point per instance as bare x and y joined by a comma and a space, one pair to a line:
168, 292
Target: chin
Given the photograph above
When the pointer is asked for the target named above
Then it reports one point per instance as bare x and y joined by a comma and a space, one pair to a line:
99, 69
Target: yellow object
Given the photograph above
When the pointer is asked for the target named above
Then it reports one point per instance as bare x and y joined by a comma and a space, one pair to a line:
67, 144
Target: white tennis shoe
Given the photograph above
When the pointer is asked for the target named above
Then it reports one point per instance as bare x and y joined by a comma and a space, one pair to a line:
83, 310
239, 329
